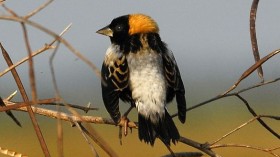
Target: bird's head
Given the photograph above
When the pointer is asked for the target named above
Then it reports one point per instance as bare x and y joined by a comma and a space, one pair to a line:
121, 28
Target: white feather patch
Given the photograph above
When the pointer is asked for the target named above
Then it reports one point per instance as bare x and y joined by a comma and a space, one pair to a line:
112, 54
147, 83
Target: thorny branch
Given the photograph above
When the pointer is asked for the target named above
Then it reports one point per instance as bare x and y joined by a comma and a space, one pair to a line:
74, 118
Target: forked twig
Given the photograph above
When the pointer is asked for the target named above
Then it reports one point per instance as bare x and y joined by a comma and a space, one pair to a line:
252, 69
243, 125
259, 119
39, 51
9, 113
202, 147
62, 40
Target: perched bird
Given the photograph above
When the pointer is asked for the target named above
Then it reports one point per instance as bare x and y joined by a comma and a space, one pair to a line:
139, 69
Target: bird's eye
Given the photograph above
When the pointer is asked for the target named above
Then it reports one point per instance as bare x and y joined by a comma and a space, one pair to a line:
119, 28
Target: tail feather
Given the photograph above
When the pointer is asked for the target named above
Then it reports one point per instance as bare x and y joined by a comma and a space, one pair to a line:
164, 129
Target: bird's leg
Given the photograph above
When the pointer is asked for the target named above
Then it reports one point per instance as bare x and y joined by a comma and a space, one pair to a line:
124, 123
128, 111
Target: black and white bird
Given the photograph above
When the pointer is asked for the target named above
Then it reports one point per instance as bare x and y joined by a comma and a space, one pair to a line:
139, 69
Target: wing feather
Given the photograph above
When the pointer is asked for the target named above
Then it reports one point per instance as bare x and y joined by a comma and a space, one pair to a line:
115, 74
175, 84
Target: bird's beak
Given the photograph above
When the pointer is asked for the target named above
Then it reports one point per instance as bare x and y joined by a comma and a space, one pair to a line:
106, 31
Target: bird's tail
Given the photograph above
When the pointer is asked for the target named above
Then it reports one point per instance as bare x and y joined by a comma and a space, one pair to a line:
164, 129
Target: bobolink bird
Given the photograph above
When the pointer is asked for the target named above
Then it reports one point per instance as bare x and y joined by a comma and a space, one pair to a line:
139, 69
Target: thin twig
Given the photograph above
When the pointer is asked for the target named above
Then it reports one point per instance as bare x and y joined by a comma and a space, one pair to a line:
254, 42
11, 96
98, 140
46, 47
28, 107
30, 63
10, 11
39, 51
57, 96
252, 69
62, 40
255, 114
59, 133
67, 117
50, 101
202, 147
80, 127
85, 109
244, 146
38, 9
229, 94
234, 130
185, 154
9, 113
243, 125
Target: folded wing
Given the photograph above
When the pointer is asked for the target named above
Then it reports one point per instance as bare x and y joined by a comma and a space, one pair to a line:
115, 77
175, 84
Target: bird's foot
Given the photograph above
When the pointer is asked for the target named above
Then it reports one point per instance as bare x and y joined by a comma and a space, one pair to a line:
123, 124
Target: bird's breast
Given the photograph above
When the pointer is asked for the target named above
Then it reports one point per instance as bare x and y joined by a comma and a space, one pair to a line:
147, 82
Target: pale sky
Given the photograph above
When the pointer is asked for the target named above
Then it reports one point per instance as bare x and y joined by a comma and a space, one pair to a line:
210, 41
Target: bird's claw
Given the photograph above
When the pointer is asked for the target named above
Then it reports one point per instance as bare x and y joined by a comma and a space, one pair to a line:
123, 123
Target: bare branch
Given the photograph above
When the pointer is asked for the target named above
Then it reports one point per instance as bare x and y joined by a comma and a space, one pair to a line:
254, 42
185, 154
85, 109
62, 40
38, 9
39, 51
229, 94
77, 119
81, 128
30, 63
260, 120
67, 117
252, 69
98, 140
10, 114
203, 147
245, 146
241, 126
28, 107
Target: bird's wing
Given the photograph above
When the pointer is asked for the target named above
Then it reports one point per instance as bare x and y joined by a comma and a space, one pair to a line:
175, 84
115, 77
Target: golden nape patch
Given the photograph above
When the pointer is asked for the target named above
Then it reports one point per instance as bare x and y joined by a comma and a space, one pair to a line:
140, 23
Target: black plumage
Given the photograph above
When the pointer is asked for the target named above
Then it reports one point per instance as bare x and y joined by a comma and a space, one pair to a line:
131, 36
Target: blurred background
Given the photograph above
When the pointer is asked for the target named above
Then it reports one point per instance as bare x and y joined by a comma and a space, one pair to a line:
210, 41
